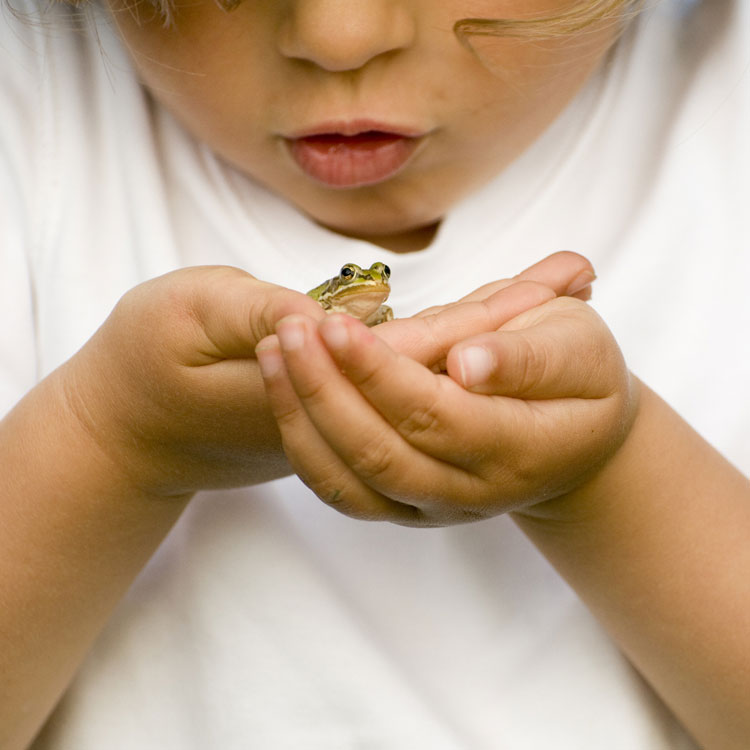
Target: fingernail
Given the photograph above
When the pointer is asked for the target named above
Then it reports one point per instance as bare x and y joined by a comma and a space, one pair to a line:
335, 333
580, 282
475, 364
269, 361
291, 335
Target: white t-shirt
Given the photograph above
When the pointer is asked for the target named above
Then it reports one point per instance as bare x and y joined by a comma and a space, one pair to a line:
266, 620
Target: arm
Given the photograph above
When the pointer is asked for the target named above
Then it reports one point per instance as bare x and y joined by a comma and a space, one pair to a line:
99, 460
646, 520
657, 545
74, 532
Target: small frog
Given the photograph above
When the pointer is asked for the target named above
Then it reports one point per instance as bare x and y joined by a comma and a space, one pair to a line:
359, 292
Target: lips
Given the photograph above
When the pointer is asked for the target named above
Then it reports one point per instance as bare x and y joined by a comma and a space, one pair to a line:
349, 157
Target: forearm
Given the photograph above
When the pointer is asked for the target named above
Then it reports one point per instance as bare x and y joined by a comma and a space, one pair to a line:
657, 546
73, 535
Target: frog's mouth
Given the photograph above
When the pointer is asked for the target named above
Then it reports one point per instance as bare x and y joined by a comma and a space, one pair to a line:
348, 161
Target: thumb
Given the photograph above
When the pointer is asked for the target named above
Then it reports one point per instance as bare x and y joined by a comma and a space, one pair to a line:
560, 350
427, 338
237, 310
218, 312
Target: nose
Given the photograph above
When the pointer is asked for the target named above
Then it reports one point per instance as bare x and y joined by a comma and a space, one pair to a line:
344, 35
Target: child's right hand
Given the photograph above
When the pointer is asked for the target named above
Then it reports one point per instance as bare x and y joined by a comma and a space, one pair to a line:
169, 386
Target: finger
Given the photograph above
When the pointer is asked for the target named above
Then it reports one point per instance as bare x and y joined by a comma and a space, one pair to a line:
313, 459
562, 349
565, 272
418, 404
427, 339
568, 273
481, 446
368, 436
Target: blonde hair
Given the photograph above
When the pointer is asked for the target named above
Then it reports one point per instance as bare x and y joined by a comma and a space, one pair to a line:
577, 18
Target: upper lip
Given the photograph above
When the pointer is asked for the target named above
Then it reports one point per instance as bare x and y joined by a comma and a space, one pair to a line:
349, 128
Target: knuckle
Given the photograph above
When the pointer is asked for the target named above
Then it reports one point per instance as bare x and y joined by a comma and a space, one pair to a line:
376, 458
434, 330
340, 493
287, 417
335, 495
328, 481
420, 420
350, 505
314, 392
534, 366
367, 377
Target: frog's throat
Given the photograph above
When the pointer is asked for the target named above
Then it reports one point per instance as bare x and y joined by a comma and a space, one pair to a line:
363, 305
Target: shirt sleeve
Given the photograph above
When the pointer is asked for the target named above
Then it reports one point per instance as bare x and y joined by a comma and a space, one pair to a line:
21, 157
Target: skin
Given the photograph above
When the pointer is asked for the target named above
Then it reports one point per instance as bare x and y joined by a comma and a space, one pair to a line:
89, 493
288, 66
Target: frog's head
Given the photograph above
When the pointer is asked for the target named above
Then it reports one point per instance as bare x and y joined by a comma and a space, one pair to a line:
353, 280
356, 291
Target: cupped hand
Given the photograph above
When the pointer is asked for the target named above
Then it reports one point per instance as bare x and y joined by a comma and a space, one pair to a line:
429, 339
381, 436
169, 386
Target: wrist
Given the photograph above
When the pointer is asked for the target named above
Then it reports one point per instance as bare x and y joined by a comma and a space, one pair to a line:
614, 464
93, 421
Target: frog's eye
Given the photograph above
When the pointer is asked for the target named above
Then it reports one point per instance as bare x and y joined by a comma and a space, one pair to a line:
381, 268
346, 272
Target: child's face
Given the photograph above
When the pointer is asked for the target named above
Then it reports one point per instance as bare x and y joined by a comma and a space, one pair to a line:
291, 92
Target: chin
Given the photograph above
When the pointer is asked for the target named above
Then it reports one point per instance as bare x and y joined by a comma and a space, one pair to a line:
400, 239
364, 216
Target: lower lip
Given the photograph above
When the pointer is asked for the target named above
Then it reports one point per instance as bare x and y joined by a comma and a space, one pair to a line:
340, 161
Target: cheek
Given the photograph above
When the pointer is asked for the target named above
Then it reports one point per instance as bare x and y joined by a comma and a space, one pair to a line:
514, 92
181, 68
529, 83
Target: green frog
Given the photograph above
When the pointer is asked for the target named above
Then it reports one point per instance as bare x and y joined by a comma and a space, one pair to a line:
359, 292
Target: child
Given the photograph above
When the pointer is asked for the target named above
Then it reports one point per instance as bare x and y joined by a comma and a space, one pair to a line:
285, 139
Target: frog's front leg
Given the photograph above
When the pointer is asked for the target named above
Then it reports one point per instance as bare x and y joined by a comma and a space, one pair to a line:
383, 314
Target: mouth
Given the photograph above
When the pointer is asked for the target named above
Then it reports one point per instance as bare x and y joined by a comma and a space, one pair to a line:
350, 156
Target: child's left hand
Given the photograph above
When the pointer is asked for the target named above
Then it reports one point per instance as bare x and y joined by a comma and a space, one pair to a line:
524, 414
